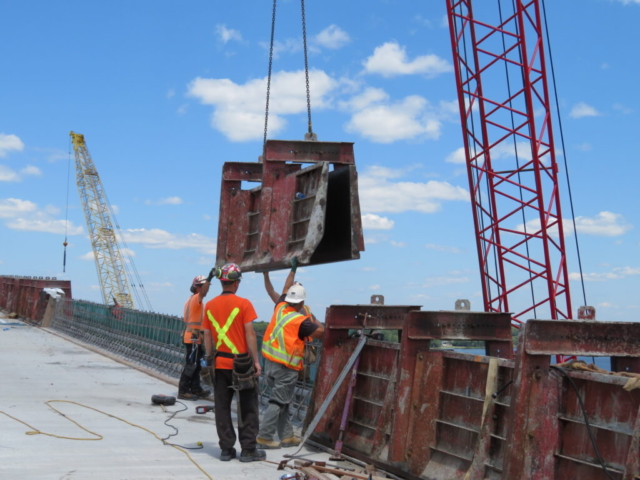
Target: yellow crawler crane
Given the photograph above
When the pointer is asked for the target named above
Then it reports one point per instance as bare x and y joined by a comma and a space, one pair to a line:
97, 213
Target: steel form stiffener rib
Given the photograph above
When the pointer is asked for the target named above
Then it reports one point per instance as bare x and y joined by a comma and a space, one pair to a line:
513, 233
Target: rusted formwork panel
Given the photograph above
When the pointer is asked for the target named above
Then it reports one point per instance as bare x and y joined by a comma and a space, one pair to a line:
24, 295
374, 375
311, 212
416, 412
569, 337
547, 429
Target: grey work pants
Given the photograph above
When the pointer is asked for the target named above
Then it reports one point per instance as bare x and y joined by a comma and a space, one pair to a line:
282, 381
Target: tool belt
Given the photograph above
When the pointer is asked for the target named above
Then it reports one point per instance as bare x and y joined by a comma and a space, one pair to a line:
243, 374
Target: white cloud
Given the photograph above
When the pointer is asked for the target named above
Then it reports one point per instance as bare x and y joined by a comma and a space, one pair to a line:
584, 147
457, 156
442, 248
14, 207
614, 274
374, 287
206, 217
8, 175
9, 143
31, 170
498, 152
629, 2
171, 93
408, 119
581, 110
375, 222
89, 256
369, 269
332, 37
227, 34
605, 224
156, 238
378, 194
368, 97
26, 216
423, 21
390, 59
165, 201
398, 244
623, 108
290, 45
238, 111
58, 227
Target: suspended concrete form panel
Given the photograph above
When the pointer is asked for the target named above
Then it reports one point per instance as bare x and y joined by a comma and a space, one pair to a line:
305, 205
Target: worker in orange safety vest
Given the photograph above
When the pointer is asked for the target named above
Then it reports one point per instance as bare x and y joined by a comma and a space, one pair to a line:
189, 387
283, 350
232, 349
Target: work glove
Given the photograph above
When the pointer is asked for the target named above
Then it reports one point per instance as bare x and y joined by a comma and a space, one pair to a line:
294, 264
215, 272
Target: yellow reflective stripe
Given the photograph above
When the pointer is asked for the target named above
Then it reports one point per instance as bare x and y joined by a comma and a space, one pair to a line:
282, 322
281, 355
222, 332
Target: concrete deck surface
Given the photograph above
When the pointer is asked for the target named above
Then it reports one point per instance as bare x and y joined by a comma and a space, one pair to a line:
37, 366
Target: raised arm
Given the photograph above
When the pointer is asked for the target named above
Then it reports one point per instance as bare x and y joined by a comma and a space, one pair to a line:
269, 287
292, 275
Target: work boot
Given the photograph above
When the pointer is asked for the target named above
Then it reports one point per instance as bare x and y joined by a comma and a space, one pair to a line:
267, 444
202, 393
187, 396
227, 454
254, 455
292, 441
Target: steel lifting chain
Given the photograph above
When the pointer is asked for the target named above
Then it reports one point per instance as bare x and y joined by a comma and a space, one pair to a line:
310, 135
266, 113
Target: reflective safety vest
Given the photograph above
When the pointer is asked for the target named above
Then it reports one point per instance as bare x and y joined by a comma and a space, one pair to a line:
281, 343
223, 342
192, 319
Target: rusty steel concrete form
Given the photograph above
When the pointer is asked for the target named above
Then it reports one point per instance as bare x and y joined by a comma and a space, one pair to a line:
25, 296
435, 414
310, 212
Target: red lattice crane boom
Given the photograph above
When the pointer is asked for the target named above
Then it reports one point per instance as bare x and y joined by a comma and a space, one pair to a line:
499, 61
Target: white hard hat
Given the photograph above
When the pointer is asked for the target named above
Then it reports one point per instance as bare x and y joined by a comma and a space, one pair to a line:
296, 294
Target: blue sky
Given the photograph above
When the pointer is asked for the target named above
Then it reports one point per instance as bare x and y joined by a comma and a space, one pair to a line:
165, 95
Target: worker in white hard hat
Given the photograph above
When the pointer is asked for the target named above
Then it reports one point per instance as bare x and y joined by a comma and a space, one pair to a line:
283, 351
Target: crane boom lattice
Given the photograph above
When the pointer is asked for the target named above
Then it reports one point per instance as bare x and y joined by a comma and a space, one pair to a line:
499, 62
108, 257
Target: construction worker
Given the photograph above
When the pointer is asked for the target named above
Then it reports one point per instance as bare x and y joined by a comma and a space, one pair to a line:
189, 387
283, 350
229, 324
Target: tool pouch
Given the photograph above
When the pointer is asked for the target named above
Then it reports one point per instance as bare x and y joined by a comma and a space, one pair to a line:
310, 358
243, 374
